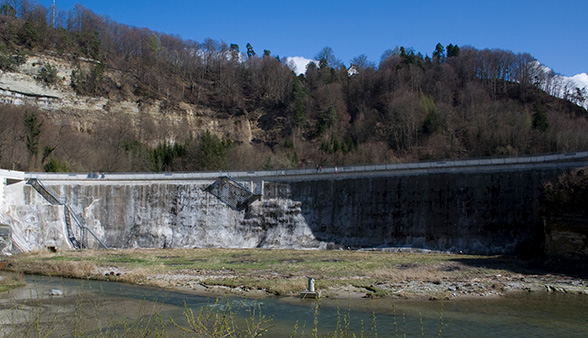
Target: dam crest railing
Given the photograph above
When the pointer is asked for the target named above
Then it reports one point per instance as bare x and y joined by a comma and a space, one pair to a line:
359, 169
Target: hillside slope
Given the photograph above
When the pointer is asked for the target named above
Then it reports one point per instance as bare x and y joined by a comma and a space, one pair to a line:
102, 96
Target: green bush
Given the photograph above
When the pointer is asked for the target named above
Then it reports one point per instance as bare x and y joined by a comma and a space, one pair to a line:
213, 151
47, 75
163, 156
56, 166
326, 120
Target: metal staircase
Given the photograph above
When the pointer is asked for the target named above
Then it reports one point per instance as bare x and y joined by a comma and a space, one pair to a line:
232, 193
70, 217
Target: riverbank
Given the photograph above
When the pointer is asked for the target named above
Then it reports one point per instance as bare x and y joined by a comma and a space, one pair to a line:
338, 274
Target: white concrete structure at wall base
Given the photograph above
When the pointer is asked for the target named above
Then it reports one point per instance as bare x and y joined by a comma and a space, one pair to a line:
38, 227
8, 177
34, 224
2, 188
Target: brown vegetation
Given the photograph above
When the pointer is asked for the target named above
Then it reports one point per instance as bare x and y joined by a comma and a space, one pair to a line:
284, 272
569, 195
462, 102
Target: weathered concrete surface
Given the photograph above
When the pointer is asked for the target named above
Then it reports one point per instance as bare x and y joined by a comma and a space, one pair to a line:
487, 210
33, 222
5, 238
165, 215
469, 212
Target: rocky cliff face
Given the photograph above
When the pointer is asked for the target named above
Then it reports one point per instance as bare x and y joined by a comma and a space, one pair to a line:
86, 114
565, 217
566, 237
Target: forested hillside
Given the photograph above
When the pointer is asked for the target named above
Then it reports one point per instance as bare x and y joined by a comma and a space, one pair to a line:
458, 102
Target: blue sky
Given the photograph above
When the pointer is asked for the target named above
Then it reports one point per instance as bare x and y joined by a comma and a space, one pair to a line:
554, 32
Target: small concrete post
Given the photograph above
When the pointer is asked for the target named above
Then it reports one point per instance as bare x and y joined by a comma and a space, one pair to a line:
310, 284
310, 292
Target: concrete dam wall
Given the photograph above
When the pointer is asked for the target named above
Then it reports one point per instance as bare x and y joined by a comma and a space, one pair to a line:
475, 209
485, 213
155, 215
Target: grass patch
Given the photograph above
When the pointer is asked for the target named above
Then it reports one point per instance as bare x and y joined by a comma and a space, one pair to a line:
10, 281
279, 272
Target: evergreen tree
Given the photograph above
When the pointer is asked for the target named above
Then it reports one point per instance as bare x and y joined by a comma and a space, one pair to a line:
213, 151
540, 117
250, 51
452, 51
439, 53
32, 133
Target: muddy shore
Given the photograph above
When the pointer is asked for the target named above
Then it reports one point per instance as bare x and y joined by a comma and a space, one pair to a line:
407, 289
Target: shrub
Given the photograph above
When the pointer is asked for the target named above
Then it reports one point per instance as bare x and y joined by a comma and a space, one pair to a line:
56, 166
47, 75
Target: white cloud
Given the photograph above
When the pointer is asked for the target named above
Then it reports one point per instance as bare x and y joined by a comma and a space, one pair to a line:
298, 64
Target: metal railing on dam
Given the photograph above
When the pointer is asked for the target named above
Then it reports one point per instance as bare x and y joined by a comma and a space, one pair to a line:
285, 173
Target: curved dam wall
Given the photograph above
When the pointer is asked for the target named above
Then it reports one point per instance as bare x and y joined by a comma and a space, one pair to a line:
469, 212
484, 209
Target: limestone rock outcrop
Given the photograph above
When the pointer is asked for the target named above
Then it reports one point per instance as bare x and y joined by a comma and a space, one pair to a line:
86, 114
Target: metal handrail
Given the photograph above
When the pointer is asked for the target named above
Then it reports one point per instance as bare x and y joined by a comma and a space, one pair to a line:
83, 229
238, 184
437, 164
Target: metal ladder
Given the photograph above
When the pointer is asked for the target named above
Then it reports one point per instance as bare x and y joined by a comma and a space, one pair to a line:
69, 217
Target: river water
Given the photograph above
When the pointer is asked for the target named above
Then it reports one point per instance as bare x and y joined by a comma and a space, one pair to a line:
68, 307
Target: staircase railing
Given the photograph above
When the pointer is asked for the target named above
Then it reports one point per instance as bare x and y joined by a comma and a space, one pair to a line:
231, 192
50, 196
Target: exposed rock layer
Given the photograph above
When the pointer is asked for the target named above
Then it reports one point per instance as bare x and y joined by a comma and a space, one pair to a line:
87, 114
566, 238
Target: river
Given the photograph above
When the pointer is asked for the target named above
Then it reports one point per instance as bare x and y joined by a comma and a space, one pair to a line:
68, 307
